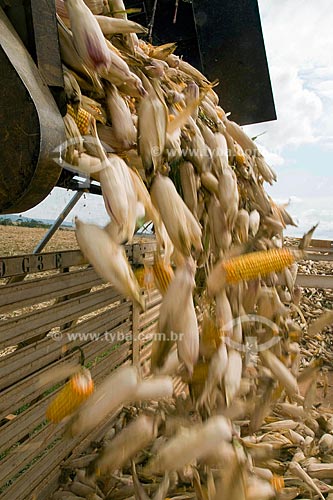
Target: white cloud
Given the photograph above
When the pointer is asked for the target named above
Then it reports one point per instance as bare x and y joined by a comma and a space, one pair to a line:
299, 47
90, 208
295, 199
310, 201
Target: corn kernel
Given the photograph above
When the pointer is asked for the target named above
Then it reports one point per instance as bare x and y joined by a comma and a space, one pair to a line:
162, 274
77, 390
82, 119
250, 266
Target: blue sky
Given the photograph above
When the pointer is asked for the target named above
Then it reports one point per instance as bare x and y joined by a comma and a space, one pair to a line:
299, 145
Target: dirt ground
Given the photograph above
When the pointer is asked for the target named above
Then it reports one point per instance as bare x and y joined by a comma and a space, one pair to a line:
22, 240
16, 240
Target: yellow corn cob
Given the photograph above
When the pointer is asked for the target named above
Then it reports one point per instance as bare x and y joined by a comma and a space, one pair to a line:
277, 482
200, 373
77, 390
139, 273
145, 277
163, 274
82, 119
210, 338
240, 157
250, 266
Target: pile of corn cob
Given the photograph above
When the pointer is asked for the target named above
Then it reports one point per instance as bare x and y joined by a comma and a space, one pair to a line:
148, 127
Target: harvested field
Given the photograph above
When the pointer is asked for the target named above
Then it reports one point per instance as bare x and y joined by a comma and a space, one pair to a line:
16, 240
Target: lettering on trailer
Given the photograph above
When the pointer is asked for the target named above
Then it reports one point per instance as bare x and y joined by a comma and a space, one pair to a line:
27, 264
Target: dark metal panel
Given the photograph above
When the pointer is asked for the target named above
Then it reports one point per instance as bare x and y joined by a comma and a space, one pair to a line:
183, 31
223, 39
233, 51
30, 127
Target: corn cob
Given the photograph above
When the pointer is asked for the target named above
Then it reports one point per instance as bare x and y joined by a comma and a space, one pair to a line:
200, 373
163, 274
145, 277
250, 266
82, 119
190, 444
88, 37
77, 390
210, 338
277, 482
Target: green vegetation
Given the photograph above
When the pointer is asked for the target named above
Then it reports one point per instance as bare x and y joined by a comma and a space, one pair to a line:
23, 223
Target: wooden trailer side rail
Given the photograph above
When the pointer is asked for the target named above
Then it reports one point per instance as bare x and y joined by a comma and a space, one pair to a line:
61, 303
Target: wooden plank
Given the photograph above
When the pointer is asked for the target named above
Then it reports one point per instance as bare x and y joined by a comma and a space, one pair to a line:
98, 434
314, 281
328, 250
48, 485
152, 298
23, 454
24, 423
95, 349
16, 296
147, 335
321, 243
143, 252
29, 481
30, 388
145, 353
112, 361
320, 257
318, 243
27, 421
149, 316
51, 483
135, 335
28, 360
30, 325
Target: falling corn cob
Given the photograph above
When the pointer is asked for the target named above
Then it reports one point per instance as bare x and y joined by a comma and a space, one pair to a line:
82, 119
163, 274
250, 266
77, 390
277, 482
210, 338
145, 277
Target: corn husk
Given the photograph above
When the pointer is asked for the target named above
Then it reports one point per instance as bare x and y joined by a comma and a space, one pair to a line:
190, 444
109, 259
126, 444
175, 313
87, 36
116, 389
182, 228
155, 388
